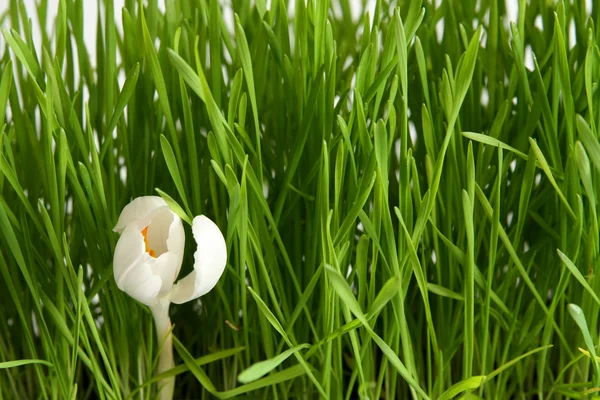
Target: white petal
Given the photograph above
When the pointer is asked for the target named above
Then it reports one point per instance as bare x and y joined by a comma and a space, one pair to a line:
161, 223
209, 262
141, 284
129, 252
168, 264
140, 208
176, 239
132, 267
166, 267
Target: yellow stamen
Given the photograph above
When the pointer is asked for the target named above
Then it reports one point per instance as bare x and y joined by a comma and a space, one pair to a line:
148, 249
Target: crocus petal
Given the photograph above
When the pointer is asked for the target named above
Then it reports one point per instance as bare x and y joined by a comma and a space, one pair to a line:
166, 267
139, 209
165, 231
130, 251
132, 267
209, 262
170, 229
176, 242
141, 284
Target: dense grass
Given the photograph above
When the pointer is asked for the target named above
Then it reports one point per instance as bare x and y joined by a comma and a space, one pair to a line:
410, 215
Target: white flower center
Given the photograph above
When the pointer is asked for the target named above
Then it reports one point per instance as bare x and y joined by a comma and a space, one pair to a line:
157, 233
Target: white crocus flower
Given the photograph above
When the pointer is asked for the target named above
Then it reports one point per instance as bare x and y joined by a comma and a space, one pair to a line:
148, 259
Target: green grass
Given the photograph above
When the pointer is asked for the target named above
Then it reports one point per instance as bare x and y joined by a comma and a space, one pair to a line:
405, 217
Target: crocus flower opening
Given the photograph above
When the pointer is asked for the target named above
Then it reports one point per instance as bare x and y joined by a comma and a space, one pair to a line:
150, 250
148, 259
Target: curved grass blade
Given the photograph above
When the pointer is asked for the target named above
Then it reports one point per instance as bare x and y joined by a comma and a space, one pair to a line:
260, 369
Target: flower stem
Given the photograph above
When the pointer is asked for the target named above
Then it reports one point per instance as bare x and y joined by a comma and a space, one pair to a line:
165, 340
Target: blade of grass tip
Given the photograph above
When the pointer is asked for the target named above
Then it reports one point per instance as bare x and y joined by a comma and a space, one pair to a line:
61, 26
577, 274
422, 67
261, 7
23, 53
543, 103
260, 369
517, 46
589, 70
589, 140
234, 97
219, 172
18, 363
364, 191
273, 43
525, 195
546, 168
464, 74
175, 207
124, 96
587, 353
382, 77
471, 383
491, 141
198, 83
579, 318
174, 170
512, 362
269, 381
585, 173
444, 292
387, 292
414, 17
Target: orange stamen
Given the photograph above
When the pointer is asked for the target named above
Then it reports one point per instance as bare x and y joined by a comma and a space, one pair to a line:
148, 249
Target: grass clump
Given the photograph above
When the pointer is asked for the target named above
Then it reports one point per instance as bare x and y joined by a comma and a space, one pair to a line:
407, 214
